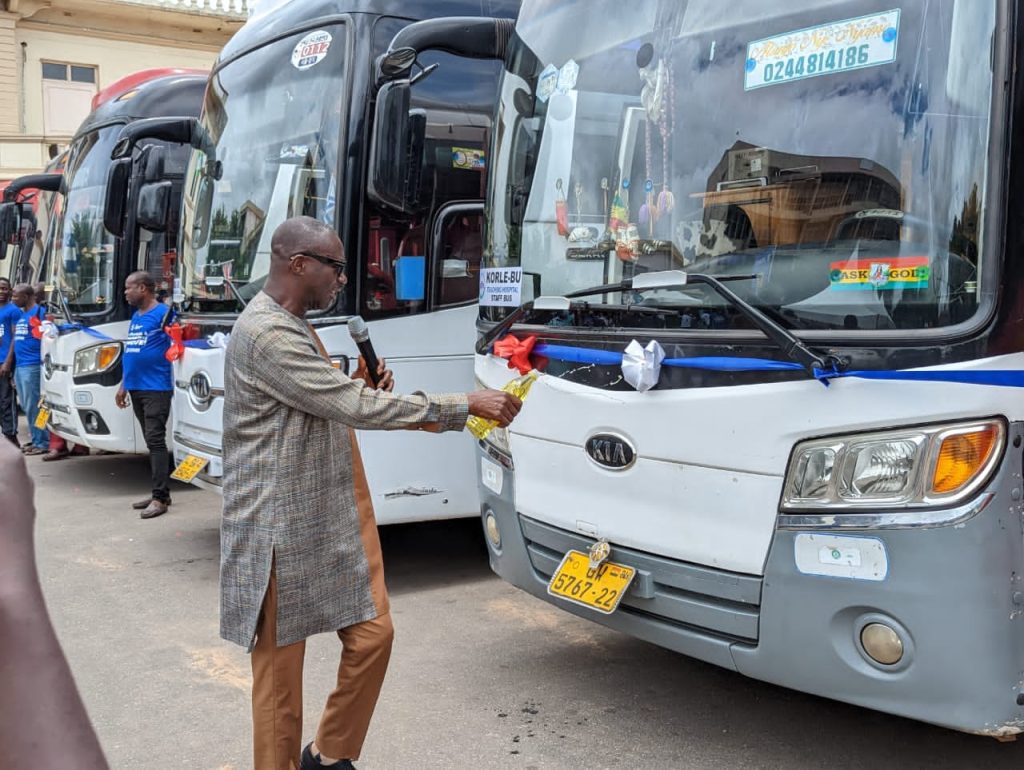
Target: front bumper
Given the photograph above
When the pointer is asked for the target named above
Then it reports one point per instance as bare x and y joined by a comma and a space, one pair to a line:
87, 414
954, 591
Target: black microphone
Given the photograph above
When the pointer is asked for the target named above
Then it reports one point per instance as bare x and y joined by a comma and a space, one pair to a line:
361, 336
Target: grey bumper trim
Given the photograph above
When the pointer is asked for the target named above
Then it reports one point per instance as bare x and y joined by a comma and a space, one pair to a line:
909, 519
198, 446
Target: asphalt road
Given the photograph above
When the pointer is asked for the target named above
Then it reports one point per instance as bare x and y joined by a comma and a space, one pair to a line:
482, 675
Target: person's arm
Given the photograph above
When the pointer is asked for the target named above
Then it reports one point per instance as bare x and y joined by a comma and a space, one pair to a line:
44, 722
292, 371
8, 365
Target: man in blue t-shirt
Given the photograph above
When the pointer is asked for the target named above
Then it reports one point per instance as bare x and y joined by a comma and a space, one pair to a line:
9, 315
149, 382
28, 363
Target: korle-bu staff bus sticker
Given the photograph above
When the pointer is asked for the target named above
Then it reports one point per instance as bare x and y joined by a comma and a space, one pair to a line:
885, 274
841, 46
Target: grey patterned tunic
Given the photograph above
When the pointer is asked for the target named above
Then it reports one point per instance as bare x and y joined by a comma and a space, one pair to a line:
291, 486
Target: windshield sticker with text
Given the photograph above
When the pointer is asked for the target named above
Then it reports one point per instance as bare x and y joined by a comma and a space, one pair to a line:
866, 41
501, 287
886, 274
468, 159
311, 50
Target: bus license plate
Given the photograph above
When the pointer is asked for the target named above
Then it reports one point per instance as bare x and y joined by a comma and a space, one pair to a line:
189, 468
42, 418
600, 589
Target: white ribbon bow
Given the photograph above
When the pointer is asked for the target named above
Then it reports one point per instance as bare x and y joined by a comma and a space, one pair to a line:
641, 366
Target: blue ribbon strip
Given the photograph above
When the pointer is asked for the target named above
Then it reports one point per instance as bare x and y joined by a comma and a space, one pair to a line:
1007, 378
202, 344
68, 328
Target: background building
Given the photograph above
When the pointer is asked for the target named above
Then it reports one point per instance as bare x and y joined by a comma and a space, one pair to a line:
56, 54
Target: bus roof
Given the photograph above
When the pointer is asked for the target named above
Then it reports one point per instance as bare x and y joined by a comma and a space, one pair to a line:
148, 94
264, 27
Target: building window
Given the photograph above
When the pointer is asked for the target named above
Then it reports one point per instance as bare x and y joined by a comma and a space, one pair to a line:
68, 90
75, 73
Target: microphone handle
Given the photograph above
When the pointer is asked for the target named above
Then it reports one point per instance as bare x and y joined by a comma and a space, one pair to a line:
368, 354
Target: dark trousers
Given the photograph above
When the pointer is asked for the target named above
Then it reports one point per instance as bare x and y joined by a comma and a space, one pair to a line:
8, 408
152, 408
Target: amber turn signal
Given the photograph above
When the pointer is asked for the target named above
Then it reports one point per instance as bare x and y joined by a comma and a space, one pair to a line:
106, 356
962, 456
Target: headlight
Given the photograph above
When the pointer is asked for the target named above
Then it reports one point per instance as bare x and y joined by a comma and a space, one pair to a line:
920, 467
97, 359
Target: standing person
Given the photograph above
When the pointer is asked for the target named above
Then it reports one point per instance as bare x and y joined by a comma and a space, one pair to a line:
28, 363
300, 553
58, 447
9, 315
149, 381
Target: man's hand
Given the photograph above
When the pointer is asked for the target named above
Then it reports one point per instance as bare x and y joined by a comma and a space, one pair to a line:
5, 369
495, 405
387, 377
121, 399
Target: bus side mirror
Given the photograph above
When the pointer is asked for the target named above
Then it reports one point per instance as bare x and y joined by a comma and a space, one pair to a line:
396, 149
10, 222
116, 204
154, 207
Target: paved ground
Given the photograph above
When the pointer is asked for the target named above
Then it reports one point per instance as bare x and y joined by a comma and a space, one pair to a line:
482, 675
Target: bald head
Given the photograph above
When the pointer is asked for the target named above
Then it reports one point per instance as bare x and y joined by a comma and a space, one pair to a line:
307, 266
299, 234
24, 296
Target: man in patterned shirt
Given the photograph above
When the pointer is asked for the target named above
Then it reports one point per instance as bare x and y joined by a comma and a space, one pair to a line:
300, 553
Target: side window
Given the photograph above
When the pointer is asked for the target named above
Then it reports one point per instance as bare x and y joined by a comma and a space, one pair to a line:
458, 248
431, 258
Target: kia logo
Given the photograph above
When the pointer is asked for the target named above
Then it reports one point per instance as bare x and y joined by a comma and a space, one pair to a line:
199, 389
611, 451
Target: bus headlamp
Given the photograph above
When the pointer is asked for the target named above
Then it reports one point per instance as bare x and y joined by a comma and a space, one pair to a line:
921, 467
96, 359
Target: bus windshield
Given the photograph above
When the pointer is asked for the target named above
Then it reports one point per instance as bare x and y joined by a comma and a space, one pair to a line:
834, 151
84, 259
275, 118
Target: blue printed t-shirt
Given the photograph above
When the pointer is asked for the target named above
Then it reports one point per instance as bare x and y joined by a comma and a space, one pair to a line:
28, 349
9, 316
145, 363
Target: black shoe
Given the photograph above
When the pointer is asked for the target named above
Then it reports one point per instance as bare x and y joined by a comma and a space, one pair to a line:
141, 505
309, 762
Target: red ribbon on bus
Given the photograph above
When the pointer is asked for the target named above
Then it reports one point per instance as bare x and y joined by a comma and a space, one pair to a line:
517, 352
177, 348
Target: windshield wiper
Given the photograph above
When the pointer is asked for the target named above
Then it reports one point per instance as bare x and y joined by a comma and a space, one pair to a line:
788, 343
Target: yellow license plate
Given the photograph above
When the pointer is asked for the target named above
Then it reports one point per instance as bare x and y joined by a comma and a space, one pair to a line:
189, 468
42, 418
600, 589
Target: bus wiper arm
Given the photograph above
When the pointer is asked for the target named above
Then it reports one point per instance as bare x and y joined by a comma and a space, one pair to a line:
788, 343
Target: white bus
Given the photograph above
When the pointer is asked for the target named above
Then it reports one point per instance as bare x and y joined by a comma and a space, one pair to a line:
768, 197
289, 128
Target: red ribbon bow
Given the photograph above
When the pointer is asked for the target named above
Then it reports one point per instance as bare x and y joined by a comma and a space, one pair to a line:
177, 348
36, 324
517, 352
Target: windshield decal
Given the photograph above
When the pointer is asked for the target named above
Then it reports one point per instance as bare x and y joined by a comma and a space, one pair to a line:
501, 287
547, 83
867, 41
311, 50
886, 274
469, 159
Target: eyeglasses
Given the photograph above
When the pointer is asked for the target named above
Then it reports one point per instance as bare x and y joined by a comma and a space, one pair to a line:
338, 265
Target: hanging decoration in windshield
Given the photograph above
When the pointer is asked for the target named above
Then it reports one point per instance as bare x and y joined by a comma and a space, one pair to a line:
866, 41
312, 49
